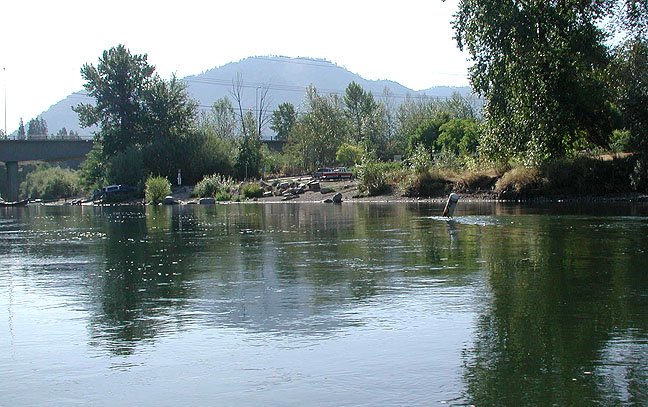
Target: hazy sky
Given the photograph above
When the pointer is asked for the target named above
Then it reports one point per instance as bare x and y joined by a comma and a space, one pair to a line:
44, 43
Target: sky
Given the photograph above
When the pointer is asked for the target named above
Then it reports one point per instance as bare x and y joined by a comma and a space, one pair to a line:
44, 43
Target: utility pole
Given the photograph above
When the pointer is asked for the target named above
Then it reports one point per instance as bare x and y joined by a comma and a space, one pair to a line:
4, 76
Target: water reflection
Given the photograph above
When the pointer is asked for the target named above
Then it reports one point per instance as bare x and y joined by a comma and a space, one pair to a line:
561, 292
555, 305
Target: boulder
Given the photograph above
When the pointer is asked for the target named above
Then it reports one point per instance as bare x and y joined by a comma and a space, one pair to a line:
337, 198
207, 201
267, 194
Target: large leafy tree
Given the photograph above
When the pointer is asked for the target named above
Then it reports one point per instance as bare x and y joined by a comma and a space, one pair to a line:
118, 84
630, 73
539, 64
146, 123
283, 120
319, 132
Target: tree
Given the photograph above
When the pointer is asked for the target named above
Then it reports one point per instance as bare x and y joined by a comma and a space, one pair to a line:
283, 120
221, 119
21, 131
146, 122
459, 137
36, 127
427, 133
118, 83
630, 75
249, 158
319, 132
539, 64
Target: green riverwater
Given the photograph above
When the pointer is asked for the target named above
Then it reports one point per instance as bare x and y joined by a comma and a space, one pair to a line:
359, 304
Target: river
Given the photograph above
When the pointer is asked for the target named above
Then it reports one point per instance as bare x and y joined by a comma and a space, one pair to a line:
359, 304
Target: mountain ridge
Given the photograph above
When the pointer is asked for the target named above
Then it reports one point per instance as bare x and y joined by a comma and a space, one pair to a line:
285, 78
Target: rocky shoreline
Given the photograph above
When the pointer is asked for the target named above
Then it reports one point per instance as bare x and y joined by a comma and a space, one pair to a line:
304, 190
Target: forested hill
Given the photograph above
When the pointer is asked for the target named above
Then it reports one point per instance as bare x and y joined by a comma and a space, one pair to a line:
286, 80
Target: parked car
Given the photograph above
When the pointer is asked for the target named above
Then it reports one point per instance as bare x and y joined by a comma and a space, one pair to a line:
114, 190
328, 173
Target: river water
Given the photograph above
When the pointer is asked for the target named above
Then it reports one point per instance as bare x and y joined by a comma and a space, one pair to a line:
359, 304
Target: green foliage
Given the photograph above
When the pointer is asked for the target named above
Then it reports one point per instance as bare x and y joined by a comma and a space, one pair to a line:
139, 113
367, 119
118, 84
50, 183
283, 120
420, 160
126, 167
249, 158
620, 141
639, 176
541, 69
427, 183
251, 190
156, 189
427, 132
21, 130
630, 73
93, 169
459, 136
37, 127
319, 132
349, 154
213, 186
586, 176
373, 176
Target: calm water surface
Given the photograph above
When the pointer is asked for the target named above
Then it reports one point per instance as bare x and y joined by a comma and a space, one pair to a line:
324, 305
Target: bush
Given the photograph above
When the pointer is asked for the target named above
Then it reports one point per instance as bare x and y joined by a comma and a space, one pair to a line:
426, 184
348, 154
51, 183
373, 177
156, 189
213, 186
251, 190
520, 181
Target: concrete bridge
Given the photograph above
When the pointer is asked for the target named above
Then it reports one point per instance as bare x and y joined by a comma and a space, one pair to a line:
14, 151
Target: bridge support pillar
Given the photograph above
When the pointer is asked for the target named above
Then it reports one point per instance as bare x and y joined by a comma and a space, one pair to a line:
12, 181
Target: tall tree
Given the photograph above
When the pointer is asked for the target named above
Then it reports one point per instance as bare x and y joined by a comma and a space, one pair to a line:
146, 123
320, 131
36, 127
118, 84
283, 120
21, 130
539, 65
630, 73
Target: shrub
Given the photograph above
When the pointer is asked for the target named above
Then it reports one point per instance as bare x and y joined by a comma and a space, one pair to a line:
519, 181
373, 177
156, 189
51, 183
213, 185
251, 190
420, 160
426, 184
348, 154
